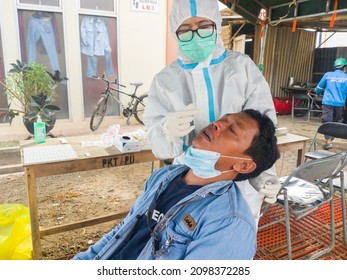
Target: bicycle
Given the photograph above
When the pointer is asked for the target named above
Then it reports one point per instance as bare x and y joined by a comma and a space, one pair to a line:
135, 107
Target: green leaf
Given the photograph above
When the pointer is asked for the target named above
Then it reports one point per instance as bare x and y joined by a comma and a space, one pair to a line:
44, 115
52, 108
48, 100
50, 74
39, 99
19, 63
33, 115
15, 68
46, 111
34, 104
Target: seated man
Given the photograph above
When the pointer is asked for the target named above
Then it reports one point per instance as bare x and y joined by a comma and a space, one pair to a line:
195, 210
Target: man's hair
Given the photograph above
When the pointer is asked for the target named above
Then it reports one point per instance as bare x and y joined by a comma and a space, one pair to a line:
263, 150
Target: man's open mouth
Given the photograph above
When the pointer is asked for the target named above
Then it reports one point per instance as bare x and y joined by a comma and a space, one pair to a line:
206, 135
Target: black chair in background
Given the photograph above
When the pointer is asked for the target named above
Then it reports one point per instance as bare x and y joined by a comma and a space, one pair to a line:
316, 106
301, 103
334, 129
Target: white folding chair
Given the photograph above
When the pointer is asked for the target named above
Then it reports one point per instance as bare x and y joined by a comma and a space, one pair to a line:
338, 131
307, 188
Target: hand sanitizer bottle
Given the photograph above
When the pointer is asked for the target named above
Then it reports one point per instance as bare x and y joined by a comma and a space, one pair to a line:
39, 131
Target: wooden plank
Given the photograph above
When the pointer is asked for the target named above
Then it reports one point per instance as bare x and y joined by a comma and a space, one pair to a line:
290, 138
82, 224
291, 146
92, 163
30, 182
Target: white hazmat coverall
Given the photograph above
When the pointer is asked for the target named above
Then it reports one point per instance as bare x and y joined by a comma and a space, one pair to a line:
226, 82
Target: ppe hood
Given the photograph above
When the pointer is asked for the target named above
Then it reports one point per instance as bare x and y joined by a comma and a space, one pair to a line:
182, 10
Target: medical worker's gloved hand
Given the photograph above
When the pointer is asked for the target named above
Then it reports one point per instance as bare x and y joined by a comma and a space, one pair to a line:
179, 124
267, 184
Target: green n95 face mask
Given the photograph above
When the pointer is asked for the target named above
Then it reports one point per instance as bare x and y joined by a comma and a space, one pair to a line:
198, 49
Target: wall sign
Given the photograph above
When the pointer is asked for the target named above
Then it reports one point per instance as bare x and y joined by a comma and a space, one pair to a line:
150, 6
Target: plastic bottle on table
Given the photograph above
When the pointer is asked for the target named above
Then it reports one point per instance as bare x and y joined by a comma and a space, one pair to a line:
39, 131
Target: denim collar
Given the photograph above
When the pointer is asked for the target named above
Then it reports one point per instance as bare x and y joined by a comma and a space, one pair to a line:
216, 188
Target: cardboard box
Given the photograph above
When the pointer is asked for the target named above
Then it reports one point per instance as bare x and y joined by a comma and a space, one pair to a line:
127, 144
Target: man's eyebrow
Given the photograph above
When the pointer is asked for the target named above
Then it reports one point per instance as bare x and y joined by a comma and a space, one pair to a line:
225, 117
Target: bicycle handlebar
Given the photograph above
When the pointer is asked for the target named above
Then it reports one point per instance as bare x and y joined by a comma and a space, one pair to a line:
107, 81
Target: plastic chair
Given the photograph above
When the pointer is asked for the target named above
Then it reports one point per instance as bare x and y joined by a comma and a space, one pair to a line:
304, 191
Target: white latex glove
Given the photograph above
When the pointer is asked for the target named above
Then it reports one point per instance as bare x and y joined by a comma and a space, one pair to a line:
178, 124
267, 184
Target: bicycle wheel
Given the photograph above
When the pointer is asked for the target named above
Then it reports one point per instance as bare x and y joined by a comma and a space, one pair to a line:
139, 108
99, 112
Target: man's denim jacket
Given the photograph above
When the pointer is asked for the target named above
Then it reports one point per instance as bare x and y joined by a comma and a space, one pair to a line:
214, 222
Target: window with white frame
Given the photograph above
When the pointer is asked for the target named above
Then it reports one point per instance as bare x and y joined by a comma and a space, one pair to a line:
53, 3
98, 46
41, 35
104, 5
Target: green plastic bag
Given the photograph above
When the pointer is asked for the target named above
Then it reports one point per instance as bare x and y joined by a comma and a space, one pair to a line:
15, 232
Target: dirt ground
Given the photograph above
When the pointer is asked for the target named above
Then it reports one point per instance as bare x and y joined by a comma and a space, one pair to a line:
72, 197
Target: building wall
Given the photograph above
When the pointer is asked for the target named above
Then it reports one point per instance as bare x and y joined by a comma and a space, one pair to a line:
287, 54
141, 51
171, 43
324, 59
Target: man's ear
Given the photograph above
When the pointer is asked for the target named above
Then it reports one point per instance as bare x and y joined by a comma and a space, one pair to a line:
245, 167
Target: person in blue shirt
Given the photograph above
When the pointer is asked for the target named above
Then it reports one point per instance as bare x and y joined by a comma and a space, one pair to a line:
333, 86
345, 109
193, 209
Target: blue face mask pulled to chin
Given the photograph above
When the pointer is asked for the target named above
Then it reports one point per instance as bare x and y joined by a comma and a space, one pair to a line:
202, 162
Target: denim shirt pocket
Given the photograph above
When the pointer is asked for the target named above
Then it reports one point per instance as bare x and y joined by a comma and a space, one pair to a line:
100, 32
100, 28
174, 243
90, 31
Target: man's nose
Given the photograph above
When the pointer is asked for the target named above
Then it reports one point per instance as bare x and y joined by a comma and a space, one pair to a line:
219, 125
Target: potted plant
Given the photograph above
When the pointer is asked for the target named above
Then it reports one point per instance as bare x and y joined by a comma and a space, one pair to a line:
31, 88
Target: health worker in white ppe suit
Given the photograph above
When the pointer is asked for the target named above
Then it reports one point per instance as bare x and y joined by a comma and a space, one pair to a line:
203, 84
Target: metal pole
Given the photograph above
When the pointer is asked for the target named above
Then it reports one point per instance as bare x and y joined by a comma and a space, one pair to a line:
326, 39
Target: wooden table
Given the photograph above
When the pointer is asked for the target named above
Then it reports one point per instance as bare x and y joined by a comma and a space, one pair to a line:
98, 158
293, 142
294, 90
